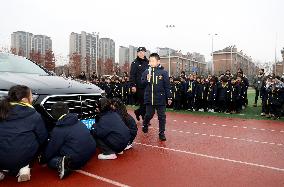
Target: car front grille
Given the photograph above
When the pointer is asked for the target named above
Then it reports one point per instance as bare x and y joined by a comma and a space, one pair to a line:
83, 105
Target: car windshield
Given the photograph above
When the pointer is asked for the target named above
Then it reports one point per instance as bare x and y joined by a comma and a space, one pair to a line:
16, 64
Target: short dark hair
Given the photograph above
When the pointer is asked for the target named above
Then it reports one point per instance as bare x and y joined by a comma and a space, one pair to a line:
59, 109
155, 55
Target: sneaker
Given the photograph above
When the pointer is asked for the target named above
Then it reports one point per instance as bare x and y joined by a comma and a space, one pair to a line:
120, 153
145, 129
162, 137
107, 157
2, 176
63, 167
129, 146
262, 114
137, 115
24, 174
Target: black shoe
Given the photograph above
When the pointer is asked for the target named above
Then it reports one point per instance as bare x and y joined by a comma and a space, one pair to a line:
145, 129
162, 137
63, 169
137, 115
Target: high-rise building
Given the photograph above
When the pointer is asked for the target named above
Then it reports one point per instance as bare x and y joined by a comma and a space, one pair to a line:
41, 43
21, 43
106, 49
123, 55
85, 45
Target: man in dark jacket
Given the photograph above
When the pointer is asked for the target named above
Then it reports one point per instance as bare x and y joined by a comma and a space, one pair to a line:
71, 144
138, 66
157, 93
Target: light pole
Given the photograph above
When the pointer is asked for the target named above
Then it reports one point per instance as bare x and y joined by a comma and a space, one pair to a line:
232, 47
170, 27
212, 49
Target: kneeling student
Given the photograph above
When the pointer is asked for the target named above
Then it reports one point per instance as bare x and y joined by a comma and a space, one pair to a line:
71, 144
110, 132
119, 107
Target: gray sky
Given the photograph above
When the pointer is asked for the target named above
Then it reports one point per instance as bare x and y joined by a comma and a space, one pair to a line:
251, 25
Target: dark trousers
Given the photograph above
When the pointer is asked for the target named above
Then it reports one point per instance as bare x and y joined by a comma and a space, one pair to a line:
161, 111
265, 107
106, 149
256, 95
140, 101
211, 104
190, 102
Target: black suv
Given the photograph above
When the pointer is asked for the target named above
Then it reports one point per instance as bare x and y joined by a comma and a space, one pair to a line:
48, 89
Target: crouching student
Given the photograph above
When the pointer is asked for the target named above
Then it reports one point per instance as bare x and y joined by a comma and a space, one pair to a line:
71, 144
129, 121
110, 132
22, 132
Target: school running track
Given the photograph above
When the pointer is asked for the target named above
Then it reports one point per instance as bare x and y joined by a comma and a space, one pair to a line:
199, 151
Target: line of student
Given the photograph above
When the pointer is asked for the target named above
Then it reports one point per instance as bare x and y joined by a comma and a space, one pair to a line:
69, 146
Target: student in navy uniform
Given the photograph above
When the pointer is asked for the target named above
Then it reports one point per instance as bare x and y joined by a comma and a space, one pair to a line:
190, 93
108, 88
172, 88
245, 85
275, 98
235, 97
138, 66
183, 91
157, 94
117, 87
264, 95
223, 94
124, 91
71, 144
129, 121
22, 133
177, 94
110, 132
212, 95
198, 94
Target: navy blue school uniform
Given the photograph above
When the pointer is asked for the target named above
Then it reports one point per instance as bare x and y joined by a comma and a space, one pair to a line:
131, 124
21, 135
235, 98
108, 90
70, 137
212, 96
189, 89
117, 88
124, 92
177, 96
275, 101
244, 85
224, 91
198, 95
264, 94
112, 131
183, 94
157, 92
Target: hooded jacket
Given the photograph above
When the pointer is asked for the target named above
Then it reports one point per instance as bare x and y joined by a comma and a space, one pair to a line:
21, 135
70, 137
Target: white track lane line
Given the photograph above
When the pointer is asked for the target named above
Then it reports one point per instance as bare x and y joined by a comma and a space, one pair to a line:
236, 126
213, 157
115, 183
225, 137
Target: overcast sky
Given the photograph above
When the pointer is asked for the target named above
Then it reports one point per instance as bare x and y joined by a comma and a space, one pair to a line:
254, 26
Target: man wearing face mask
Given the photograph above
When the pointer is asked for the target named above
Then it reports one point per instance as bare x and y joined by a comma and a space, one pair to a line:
138, 66
257, 84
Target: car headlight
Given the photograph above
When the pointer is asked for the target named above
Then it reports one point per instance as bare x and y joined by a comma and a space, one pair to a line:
3, 94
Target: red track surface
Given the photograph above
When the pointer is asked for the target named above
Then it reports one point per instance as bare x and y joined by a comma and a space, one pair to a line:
200, 151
